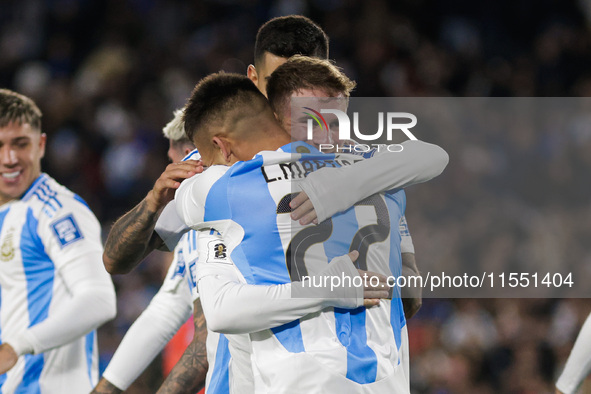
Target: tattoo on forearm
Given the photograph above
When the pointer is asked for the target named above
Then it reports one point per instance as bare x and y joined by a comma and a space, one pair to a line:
105, 387
188, 375
130, 236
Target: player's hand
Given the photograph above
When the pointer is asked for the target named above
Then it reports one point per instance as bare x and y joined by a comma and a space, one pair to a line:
559, 392
374, 289
163, 191
303, 210
8, 358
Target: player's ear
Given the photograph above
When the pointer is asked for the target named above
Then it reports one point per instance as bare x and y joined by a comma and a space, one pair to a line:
224, 146
251, 72
42, 142
279, 120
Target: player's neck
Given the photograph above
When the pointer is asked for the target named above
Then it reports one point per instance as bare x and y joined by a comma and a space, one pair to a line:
265, 142
275, 137
254, 134
267, 135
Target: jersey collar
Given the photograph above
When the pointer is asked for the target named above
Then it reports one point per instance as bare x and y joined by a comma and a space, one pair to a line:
34, 186
193, 155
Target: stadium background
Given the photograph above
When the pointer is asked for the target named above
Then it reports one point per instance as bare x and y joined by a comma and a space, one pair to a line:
108, 73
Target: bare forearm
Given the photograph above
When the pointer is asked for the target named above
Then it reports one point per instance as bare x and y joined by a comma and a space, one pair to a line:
105, 387
131, 238
411, 296
188, 375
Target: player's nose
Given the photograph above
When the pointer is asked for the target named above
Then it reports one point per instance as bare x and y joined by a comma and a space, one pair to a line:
7, 156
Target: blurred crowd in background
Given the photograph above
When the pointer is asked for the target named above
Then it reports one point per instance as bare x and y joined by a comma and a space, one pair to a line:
108, 73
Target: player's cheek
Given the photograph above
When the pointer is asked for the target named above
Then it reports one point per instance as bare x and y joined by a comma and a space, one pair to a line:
299, 132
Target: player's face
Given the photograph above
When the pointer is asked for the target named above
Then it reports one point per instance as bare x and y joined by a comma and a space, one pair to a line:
296, 122
21, 150
175, 153
261, 75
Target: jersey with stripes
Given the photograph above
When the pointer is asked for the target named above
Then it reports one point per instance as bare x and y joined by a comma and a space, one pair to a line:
248, 203
406, 245
40, 233
217, 380
170, 227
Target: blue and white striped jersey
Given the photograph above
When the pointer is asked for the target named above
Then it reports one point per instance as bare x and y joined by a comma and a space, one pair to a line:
218, 352
47, 229
406, 245
168, 310
353, 350
170, 227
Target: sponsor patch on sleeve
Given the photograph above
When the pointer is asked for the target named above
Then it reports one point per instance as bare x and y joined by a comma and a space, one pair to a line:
66, 230
217, 252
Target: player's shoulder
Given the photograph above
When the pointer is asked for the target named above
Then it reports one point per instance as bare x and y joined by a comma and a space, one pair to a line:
60, 214
200, 184
191, 196
48, 198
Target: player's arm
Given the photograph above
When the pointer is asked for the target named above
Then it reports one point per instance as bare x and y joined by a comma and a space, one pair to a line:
578, 364
132, 236
106, 387
329, 190
188, 375
77, 260
233, 307
148, 335
412, 297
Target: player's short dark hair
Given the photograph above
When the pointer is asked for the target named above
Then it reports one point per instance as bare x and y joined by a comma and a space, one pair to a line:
220, 97
19, 109
301, 72
290, 35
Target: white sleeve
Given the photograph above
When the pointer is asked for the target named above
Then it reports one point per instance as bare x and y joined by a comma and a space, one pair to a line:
169, 226
191, 196
233, 307
333, 190
72, 241
145, 339
578, 364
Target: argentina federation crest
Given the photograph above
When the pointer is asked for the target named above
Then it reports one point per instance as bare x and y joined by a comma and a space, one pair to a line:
7, 247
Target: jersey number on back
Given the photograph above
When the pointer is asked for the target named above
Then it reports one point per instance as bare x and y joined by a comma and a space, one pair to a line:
311, 235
